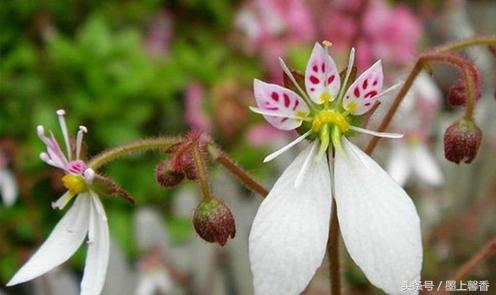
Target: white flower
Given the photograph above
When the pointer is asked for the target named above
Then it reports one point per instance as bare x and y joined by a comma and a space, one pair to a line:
85, 217
411, 156
379, 223
8, 184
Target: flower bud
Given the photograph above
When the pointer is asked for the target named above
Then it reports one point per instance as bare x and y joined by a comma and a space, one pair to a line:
166, 177
462, 141
214, 222
457, 93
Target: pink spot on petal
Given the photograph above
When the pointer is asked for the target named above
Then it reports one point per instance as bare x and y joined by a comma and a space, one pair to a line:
330, 79
284, 120
314, 80
272, 108
367, 104
323, 67
371, 94
312, 89
286, 100
275, 96
365, 84
315, 68
297, 102
375, 83
356, 92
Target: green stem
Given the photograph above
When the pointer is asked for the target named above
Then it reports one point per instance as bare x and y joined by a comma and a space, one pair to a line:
151, 144
457, 45
202, 172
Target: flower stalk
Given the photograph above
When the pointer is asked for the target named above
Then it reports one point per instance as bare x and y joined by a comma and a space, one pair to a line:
201, 170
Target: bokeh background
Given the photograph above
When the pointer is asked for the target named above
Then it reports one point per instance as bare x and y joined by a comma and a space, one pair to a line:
134, 69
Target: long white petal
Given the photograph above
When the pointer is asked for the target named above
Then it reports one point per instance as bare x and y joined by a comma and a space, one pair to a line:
289, 233
376, 133
425, 165
286, 147
399, 165
64, 240
379, 223
8, 187
97, 257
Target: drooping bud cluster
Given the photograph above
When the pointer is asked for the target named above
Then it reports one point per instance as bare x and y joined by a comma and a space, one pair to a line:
457, 93
462, 141
181, 164
214, 222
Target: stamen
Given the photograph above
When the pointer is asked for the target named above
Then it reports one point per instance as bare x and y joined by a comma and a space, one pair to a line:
351, 61
79, 140
286, 147
325, 137
387, 91
63, 126
286, 70
306, 164
376, 133
279, 115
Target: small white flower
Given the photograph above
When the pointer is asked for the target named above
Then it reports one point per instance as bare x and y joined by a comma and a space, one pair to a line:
411, 155
378, 220
8, 184
85, 217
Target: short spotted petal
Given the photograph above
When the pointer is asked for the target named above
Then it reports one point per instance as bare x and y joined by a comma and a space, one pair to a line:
364, 92
321, 76
284, 102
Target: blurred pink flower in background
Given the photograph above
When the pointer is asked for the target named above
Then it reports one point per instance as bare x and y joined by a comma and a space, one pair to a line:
376, 29
159, 36
272, 26
194, 114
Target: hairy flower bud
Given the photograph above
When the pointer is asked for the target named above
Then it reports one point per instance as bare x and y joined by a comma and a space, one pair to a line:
457, 93
462, 141
214, 222
166, 177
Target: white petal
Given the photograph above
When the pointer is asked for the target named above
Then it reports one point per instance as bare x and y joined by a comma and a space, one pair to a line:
289, 234
97, 257
379, 223
146, 284
64, 240
399, 165
425, 166
8, 187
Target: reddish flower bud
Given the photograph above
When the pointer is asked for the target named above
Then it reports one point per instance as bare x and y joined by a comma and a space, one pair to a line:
457, 93
462, 141
166, 177
214, 222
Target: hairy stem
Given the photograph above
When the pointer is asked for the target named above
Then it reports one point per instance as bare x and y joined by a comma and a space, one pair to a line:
461, 44
462, 65
333, 252
237, 171
487, 250
150, 144
202, 172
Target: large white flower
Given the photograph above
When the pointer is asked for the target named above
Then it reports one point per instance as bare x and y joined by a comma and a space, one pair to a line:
85, 217
379, 222
8, 184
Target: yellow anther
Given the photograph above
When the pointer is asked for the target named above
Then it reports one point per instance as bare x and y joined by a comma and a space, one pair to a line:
74, 183
325, 97
327, 43
332, 117
351, 106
